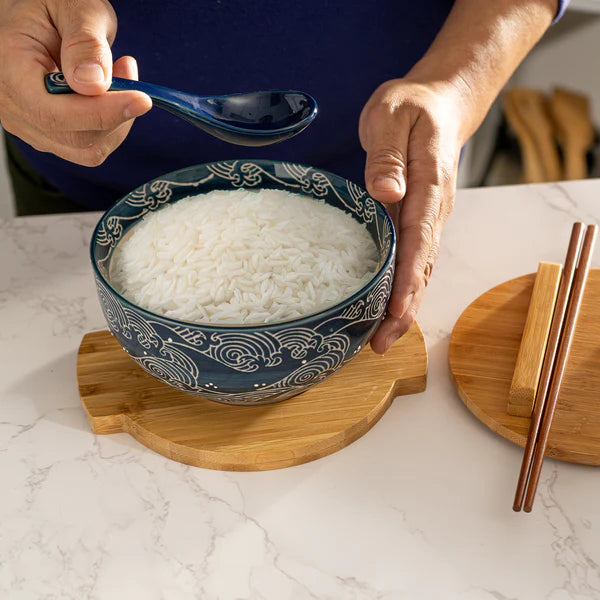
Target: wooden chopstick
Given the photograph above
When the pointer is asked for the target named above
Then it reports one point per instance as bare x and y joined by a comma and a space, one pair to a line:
564, 347
550, 354
575, 299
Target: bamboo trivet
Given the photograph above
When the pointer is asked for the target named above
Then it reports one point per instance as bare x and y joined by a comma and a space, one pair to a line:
119, 396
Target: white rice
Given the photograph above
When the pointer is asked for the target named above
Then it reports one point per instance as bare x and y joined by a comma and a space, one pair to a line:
243, 257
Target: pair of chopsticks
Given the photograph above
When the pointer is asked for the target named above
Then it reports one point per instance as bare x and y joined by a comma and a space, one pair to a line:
564, 319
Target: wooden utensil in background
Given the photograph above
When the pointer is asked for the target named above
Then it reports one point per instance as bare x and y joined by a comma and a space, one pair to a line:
527, 114
541, 123
574, 130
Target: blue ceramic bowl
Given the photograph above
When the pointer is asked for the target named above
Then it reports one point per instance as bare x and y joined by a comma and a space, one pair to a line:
246, 364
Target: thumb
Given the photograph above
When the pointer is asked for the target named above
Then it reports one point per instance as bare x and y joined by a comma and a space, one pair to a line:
385, 171
87, 28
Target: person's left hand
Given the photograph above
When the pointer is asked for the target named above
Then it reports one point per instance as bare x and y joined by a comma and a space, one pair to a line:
412, 134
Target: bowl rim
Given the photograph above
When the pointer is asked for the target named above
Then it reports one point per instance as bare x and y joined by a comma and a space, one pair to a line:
297, 322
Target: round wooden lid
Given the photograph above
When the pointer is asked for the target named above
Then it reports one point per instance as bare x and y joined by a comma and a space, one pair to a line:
483, 352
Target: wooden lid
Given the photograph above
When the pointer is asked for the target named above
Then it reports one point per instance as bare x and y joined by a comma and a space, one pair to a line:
483, 353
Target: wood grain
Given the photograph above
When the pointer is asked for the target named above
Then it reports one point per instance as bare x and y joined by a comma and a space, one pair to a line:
483, 353
558, 318
533, 343
574, 130
527, 114
119, 396
562, 361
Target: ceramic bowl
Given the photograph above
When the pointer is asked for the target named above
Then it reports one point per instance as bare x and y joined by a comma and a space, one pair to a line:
253, 364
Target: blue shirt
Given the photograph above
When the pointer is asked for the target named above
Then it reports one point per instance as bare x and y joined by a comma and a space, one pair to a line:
338, 51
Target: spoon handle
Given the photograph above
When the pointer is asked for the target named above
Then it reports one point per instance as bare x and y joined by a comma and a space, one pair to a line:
172, 100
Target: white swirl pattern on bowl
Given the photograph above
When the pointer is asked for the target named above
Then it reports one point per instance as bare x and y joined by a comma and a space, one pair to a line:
245, 174
240, 351
170, 349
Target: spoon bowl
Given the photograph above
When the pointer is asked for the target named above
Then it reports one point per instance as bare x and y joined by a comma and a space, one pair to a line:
246, 119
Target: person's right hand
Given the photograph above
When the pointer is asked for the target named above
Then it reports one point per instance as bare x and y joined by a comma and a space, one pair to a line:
41, 36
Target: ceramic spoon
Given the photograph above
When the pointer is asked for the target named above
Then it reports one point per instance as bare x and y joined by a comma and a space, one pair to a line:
247, 119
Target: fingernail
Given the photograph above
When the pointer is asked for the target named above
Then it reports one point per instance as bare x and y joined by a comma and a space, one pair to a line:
89, 72
407, 302
389, 342
383, 183
133, 110
404, 307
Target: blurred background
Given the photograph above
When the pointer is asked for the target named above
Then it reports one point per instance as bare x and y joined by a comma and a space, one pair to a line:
6, 209
543, 127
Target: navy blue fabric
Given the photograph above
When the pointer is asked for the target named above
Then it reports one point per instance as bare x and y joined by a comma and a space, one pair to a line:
336, 50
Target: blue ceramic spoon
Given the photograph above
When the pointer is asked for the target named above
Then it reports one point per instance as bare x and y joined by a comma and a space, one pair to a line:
248, 119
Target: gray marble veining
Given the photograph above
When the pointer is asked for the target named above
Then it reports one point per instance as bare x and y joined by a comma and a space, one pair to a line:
417, 509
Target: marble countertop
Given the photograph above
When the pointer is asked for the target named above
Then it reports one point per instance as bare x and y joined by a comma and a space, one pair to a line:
418, 508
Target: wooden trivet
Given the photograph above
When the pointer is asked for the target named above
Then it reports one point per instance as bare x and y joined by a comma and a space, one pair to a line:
483, 352
120, 396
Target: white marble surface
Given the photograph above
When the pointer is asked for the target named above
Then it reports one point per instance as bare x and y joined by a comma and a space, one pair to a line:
418, 508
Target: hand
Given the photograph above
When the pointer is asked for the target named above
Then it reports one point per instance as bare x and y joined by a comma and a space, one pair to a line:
412, 135
41, 36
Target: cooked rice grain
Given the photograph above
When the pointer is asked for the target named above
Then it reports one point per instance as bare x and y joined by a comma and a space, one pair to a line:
243, 257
